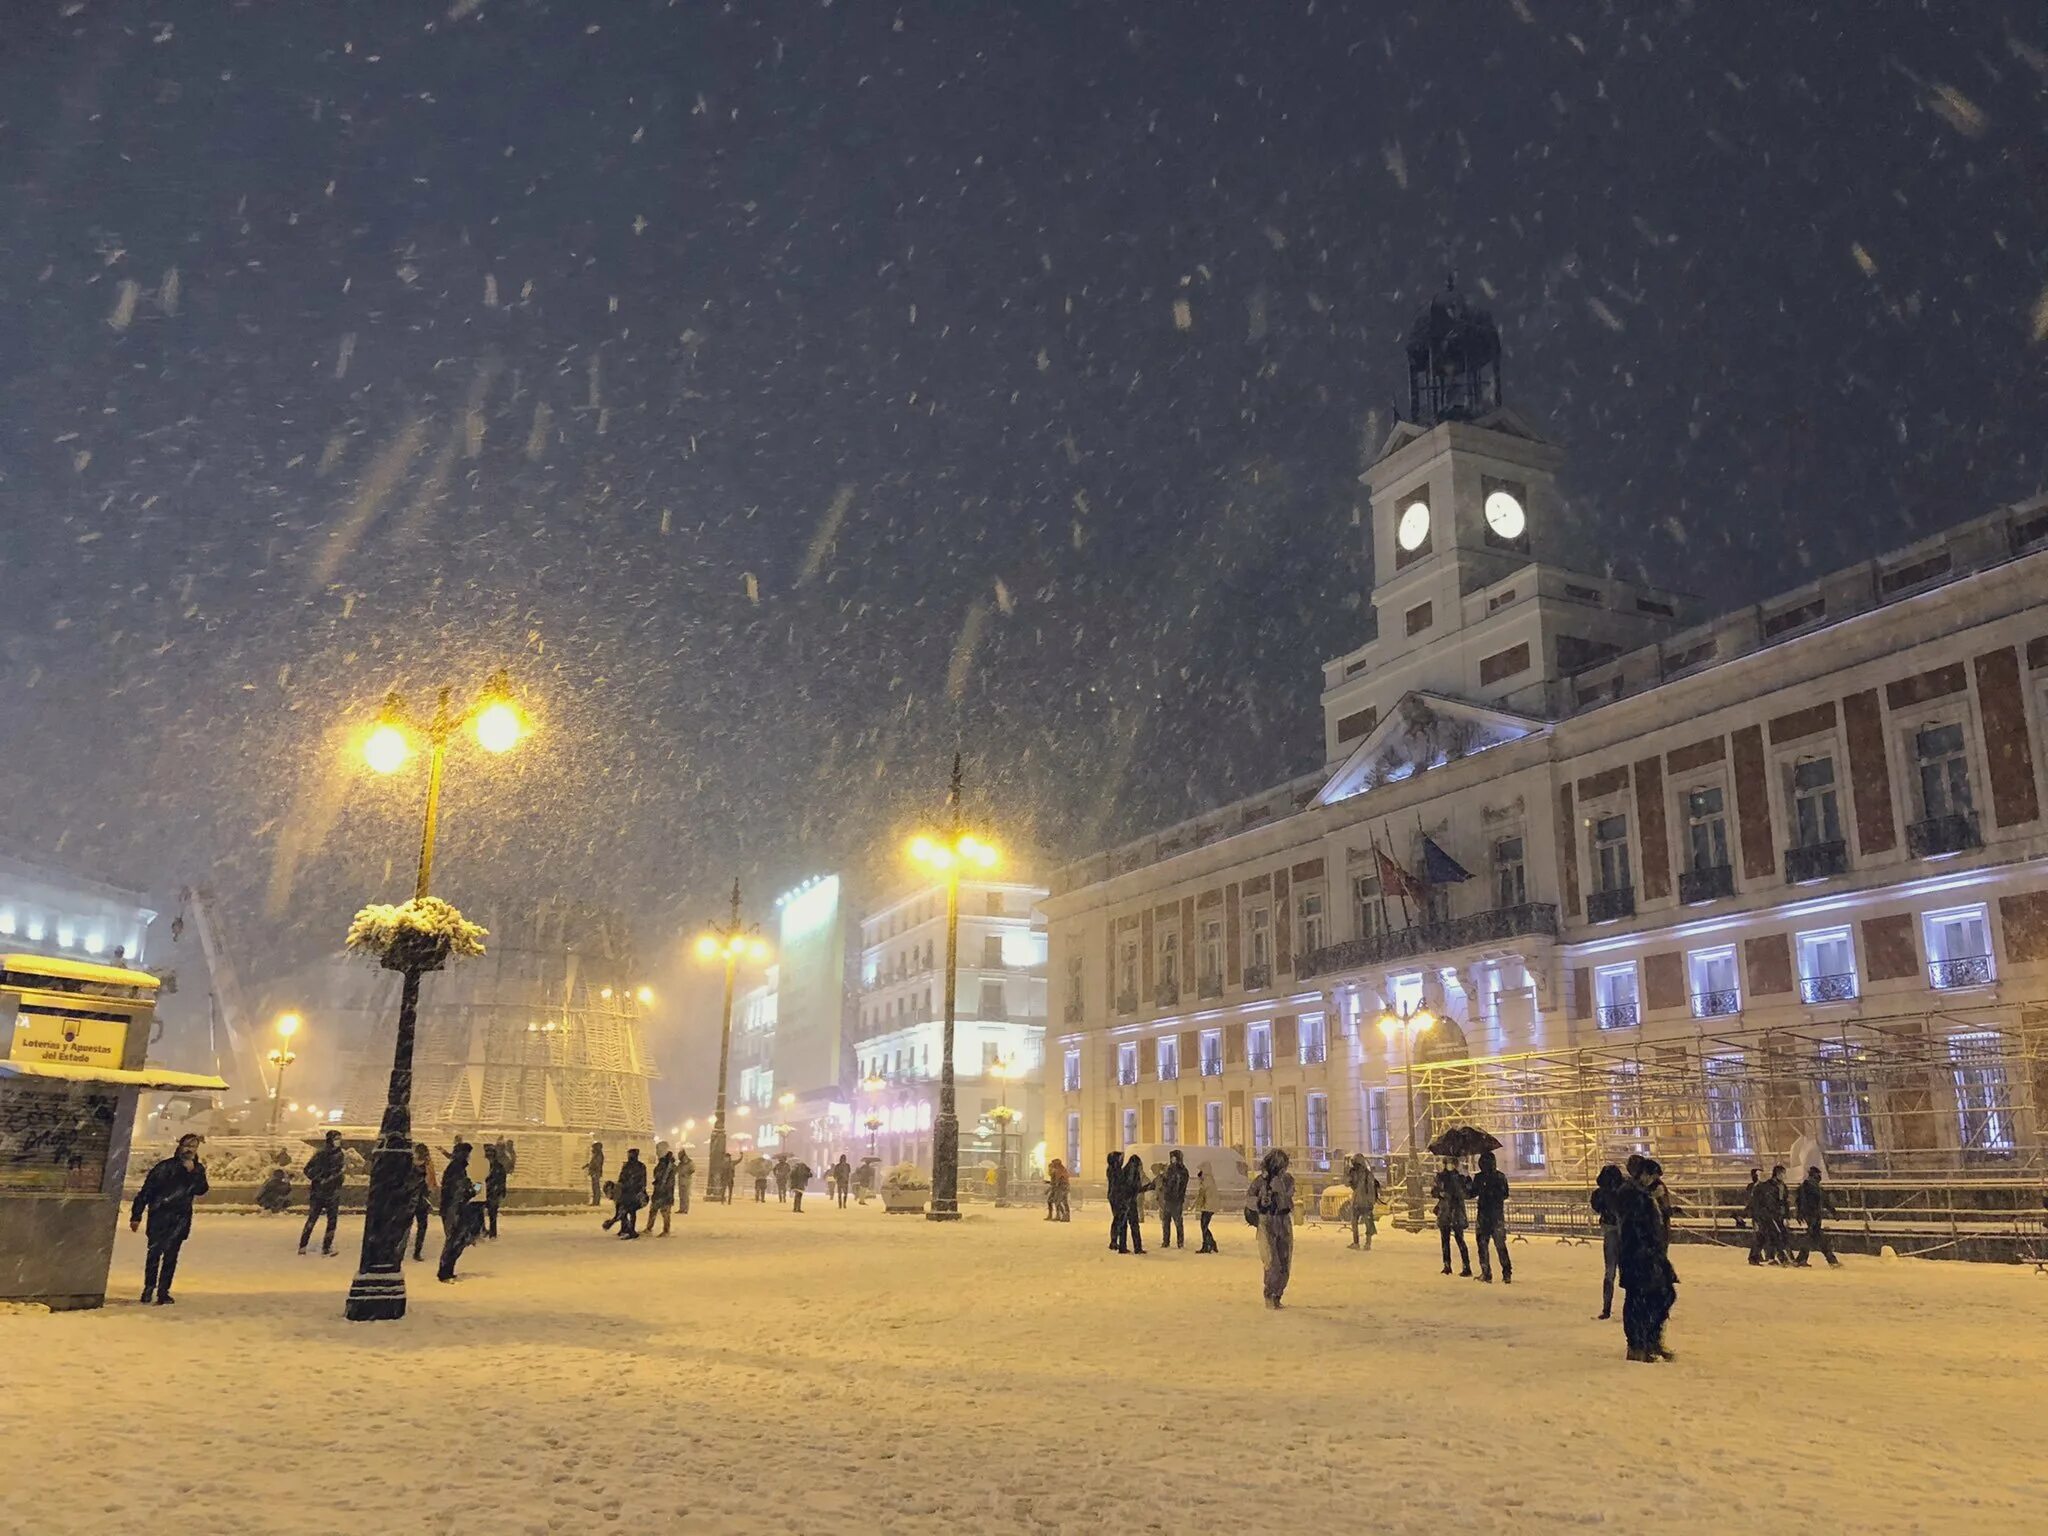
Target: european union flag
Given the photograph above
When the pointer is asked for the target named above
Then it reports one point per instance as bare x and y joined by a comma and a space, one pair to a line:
1438, 867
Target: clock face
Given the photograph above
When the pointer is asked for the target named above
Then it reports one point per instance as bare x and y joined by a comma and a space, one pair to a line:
1414, 525
1504, 515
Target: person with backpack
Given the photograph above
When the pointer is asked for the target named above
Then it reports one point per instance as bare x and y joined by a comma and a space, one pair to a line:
662, 1192
1451, 1190
1365, 1194
324, 1170
166, 1197
1490, 1195
1205, 1208
1270, 1208
1814, 1203
1173, 1199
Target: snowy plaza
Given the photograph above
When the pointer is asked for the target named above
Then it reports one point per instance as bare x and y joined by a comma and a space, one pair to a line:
847, 1371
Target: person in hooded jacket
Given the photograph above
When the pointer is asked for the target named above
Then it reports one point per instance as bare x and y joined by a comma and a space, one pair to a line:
323, 1176
166, 1197
661, 1199
629, 1195
1490, 1196
686, 1170
798, 1176
1113, 1187
497, 1176
1605, 1186
1173, 1199
1135, 1187
458, 1189
842, 1180
1451, 1190
1814, 1203
1365, 1194
1271, 1200
1205, 1208
1646, 1273
422, 1188
594, 1166
1055, 1188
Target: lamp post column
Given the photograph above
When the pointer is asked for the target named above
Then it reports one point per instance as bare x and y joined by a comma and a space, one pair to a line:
732, 960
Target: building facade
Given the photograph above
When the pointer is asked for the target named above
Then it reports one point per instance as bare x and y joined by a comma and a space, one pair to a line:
1704, 889
999, 1024
49, 911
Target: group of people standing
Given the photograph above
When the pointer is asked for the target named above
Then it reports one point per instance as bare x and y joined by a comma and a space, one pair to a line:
1127, 1184
469, 1210
1635, 1211
1486, 1193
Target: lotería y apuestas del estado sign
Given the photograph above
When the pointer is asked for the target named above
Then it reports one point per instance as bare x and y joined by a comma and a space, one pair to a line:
68, 1040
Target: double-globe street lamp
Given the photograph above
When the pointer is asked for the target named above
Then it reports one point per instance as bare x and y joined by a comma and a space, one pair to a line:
1406, 1024
378, 1291
949, 855
280, 1058
730, 942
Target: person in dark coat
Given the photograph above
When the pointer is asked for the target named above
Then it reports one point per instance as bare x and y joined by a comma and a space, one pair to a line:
421, 1188
324, 1171
797, 1176
779, 1170
628, 1195
1743, 1217
166, 1197
1451, 1190
497, 1175
661, 1199
1605, 1186
1365, 1194
1646, 1273
1490, 1196
1135, 1186
732, 1174
594, 1166
1814, 1203
458, 1189
1271, 1200
842, 1179
1173, 1199
1775, 1205
275, 1196
1113, 1187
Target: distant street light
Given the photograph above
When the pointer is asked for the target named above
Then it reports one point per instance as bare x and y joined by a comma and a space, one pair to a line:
1406, 1025
948, 854
1004, 1117
728, 944
378, 1291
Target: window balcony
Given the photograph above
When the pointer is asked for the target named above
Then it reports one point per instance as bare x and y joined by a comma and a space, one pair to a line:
1260, 1058
1717, 1004
1939, 836
1126, 1076
1611, 906
1258, 977
1618, 1015
1212, 1066
1169, 1072
1531, 917
1209, 986
1167, 993
1967, 971
1701, 885
1816, 861
1127, 1002
1314, 1053
1816, 990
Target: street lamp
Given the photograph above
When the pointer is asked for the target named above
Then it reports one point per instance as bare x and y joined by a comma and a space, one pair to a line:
949, 854
1003, 1116
727, 943
280, 1058
874, 1123
1406, 1024
378, 1291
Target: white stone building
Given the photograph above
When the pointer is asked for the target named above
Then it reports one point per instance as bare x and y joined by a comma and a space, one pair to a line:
1783, 873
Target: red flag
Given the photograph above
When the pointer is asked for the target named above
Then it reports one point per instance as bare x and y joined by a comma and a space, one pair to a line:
1395, 879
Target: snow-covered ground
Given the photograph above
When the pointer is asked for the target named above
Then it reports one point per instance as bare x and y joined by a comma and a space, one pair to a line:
846, 1371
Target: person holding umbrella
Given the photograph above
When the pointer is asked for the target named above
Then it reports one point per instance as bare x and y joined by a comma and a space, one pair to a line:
1452, 1189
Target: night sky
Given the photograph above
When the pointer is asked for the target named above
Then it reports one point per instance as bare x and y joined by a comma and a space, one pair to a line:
791, 392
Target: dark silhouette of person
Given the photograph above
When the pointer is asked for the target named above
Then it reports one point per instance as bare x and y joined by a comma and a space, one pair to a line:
166, 1197
324, 1170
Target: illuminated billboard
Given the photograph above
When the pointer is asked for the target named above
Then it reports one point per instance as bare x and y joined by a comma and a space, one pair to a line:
811, 986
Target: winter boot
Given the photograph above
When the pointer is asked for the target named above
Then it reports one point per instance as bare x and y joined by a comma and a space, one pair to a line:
148, 1294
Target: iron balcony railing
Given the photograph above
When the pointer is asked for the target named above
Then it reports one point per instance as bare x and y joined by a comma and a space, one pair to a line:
1212, 1066
1314, 1053
1939, 835
1698, 885
1967, 971
1127, 1002
1608, 906
1618, 1015
1258, 977
1531, 917
1815, 990
1717, 1004
1209, 986
1260, 1058
1167, 993
1816, 861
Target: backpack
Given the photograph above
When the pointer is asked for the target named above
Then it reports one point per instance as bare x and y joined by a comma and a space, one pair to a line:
1256, 1197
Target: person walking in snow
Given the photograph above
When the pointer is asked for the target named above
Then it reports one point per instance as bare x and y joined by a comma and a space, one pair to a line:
458, 1189
166, 1197
1744, 1215
628, 1196
324, 1171
661, 1200
497, 1177
760, 1168
1490, 1196
1113, 1186
422, 1188
1451, 1190
594, 1166
1814, 1203
842, 1180
1173, 1199
1365, 1194
1605, 1186
1647, 1278
798, 1177
781, 1172
1271, 1203
1205, 1208
1777, 1212
1135, 1187
1058, 1187
686, 1170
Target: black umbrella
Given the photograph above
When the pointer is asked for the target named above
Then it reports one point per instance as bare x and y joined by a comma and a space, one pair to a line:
1463, 1141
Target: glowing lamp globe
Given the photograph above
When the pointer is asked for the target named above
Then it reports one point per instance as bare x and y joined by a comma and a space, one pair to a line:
499, 727
386, 749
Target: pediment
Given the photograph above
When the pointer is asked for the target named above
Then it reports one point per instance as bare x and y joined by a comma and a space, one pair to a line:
1423, 731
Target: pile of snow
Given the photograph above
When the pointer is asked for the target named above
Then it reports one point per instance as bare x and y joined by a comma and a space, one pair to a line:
379, 928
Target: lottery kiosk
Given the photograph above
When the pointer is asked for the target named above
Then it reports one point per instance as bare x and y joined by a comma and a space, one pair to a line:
73, 1038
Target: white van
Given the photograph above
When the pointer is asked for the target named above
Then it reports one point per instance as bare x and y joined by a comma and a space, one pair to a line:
1227, 1171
